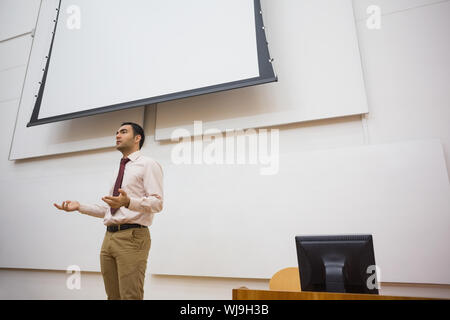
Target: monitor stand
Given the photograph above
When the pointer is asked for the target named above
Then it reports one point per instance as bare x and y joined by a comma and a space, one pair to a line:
334, 275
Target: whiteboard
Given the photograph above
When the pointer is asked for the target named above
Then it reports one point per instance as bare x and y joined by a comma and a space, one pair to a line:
231, 221
318, 65
110, 55
17, 17
22, 83
388, 6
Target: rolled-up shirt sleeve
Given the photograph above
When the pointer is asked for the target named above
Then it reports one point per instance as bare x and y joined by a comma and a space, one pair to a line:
152, 201
94, 210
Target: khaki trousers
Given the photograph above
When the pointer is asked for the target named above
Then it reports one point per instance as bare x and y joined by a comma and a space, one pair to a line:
123, 261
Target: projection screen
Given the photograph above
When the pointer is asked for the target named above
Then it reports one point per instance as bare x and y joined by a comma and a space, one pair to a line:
108, 55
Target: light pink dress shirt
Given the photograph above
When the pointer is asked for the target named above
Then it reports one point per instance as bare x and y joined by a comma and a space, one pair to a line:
143, 183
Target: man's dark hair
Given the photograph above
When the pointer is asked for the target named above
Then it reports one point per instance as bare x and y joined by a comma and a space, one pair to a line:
137, 130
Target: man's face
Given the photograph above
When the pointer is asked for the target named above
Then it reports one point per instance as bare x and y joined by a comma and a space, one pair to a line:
125, 138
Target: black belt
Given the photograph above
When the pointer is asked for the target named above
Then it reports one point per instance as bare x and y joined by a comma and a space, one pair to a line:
123, 227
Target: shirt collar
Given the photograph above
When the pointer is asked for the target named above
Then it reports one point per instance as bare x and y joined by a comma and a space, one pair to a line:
133, 156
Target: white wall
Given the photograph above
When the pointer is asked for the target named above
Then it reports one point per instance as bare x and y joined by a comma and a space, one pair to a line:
406, 74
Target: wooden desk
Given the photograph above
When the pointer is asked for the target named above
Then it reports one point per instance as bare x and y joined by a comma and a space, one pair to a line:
248, 294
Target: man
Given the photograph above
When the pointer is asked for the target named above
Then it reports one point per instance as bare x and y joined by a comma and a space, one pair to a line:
128, 211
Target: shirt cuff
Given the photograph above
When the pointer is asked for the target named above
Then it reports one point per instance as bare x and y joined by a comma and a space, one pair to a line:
83, 209
134, 204
92, 210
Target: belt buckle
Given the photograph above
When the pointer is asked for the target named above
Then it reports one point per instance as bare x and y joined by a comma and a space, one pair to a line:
118, 227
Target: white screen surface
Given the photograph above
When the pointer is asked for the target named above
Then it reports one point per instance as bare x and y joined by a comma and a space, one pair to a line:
113, 52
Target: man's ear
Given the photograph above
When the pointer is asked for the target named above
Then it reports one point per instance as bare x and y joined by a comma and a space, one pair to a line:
137, 138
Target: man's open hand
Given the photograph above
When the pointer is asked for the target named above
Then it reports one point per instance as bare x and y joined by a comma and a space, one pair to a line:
116, 202
68, 205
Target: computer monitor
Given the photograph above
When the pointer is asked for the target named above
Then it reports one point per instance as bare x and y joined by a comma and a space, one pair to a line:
344, 263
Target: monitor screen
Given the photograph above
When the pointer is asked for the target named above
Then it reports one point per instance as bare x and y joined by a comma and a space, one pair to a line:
344, 263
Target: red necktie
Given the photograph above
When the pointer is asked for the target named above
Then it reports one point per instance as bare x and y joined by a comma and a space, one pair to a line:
119, 179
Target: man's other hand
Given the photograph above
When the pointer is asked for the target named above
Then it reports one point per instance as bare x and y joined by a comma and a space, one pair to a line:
68, 205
